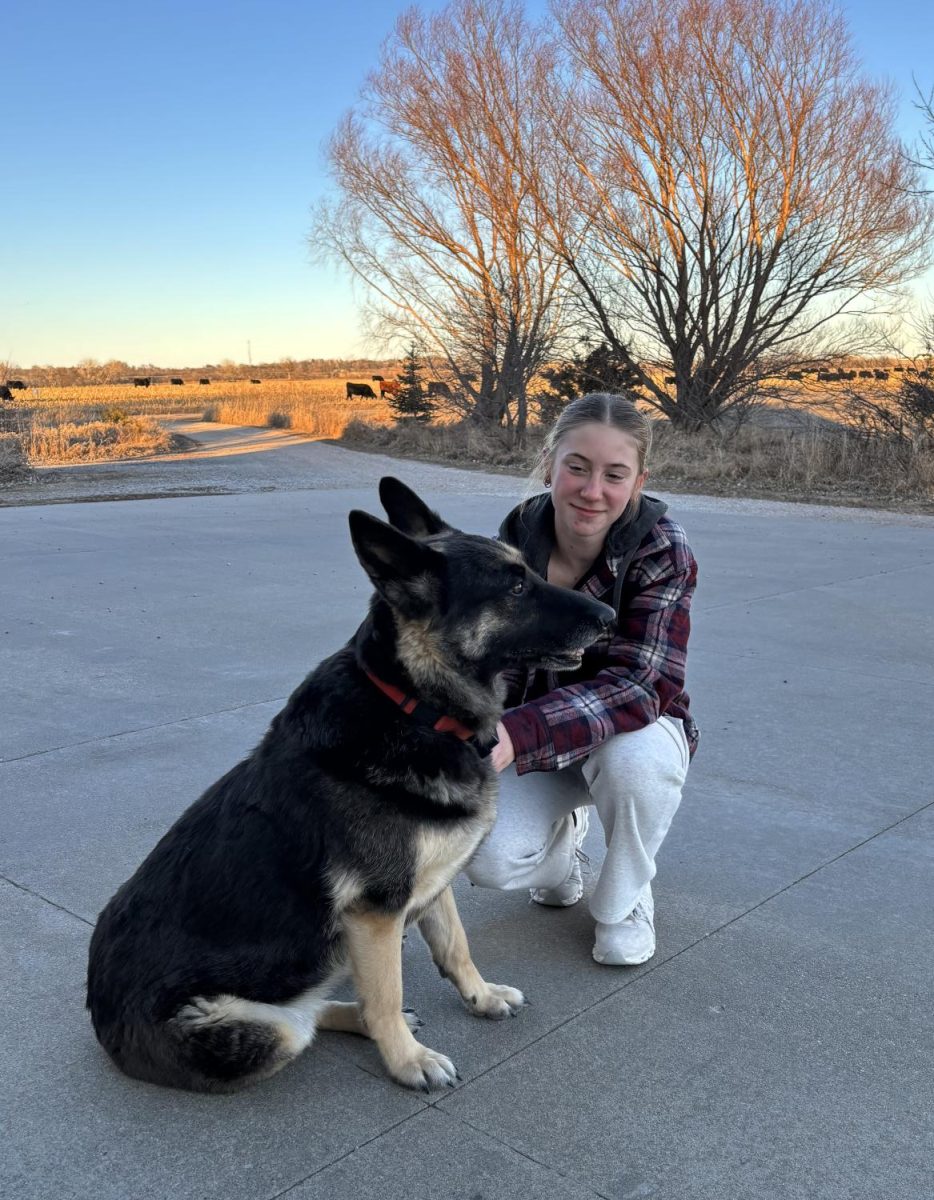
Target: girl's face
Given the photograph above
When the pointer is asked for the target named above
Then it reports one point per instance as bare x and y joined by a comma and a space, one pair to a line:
594, 475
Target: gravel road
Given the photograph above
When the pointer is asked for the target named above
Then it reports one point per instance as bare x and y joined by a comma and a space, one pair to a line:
227, 459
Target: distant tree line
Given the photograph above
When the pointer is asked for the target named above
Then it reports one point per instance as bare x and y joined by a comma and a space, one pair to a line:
91, 371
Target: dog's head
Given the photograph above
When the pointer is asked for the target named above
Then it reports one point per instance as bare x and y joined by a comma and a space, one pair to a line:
476, 598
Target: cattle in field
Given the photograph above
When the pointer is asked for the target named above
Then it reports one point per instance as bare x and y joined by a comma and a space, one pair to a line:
359, 389
439, 388
377, 378
142, 381
865, 374
797, 376
176, 382
5, 393
16, 385
204, 381
879, 374
392, 386
256, 381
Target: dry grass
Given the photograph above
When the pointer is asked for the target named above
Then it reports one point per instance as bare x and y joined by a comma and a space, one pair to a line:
129, 399
55, 436
99, 422
314, 406
810, 461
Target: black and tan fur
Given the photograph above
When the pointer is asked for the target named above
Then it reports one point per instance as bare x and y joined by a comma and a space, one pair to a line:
210, 968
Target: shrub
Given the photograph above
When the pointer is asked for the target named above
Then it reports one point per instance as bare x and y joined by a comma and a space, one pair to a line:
916, 401
14, 467
113, 416
279, 420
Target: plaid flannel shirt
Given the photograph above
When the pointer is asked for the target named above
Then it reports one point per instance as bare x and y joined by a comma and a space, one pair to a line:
630, 676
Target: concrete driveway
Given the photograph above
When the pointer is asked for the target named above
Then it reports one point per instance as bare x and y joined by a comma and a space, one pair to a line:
778, 1046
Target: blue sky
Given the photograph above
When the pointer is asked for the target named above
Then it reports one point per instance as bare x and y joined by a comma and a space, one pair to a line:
161, 161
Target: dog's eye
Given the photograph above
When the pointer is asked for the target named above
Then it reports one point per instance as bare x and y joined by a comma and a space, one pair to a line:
518, 587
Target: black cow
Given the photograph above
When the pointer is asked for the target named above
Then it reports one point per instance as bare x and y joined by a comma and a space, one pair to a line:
142, 381
204, 381
880, 374
359, 389
256, 381
16, 385
5, 393
377, 378
436, 388
177, 382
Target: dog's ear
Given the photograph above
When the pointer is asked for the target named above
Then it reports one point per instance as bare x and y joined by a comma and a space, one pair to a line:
406, 511
403, 570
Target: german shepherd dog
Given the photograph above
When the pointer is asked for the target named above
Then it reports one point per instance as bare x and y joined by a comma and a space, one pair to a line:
210, 968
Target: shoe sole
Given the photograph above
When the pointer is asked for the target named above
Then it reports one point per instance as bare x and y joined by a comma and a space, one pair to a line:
624, 962
555, 903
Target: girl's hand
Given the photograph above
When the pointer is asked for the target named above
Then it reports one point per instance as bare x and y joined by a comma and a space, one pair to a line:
503, 753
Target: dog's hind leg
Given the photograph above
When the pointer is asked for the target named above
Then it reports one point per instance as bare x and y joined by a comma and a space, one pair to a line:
375, 944
343, 1016
441, 927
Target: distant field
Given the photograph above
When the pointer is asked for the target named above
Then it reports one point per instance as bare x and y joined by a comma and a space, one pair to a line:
55, 425
315, 406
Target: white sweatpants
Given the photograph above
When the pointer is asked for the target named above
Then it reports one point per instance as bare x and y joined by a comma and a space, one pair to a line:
634, 781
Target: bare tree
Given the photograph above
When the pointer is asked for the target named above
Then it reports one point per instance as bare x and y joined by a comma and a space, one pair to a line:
923, 155
434, 215
738, 187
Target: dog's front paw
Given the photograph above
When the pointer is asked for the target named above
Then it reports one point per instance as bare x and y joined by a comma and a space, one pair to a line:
427, 1070
497, 1001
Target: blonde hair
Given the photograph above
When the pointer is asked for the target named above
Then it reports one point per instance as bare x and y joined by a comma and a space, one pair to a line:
601, 408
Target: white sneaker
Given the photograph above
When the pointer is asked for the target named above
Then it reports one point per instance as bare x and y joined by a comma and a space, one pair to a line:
630, 941
569, 892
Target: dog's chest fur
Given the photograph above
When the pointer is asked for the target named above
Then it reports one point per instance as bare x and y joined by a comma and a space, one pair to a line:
429, 858
440, 853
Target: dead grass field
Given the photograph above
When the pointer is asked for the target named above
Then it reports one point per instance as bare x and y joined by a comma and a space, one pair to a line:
56, 425
318, 407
